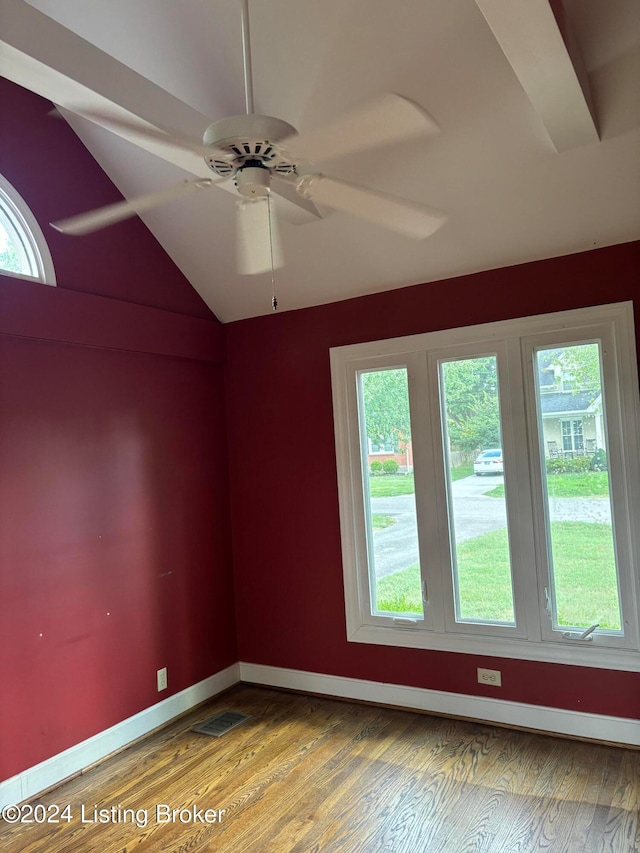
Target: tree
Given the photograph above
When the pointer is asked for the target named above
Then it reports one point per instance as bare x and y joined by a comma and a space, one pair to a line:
577, 365
471, 403
9, 259
386, 405
470, 393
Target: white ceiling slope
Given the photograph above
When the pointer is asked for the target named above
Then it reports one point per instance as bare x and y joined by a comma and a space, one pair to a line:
538, 153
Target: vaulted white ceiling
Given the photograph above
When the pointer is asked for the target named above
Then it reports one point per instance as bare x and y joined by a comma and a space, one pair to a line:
538, 153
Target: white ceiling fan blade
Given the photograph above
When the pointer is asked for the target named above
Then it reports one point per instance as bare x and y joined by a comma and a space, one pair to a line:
290, 205
139, 130
257, 238
84, 223
390, 118
409, 218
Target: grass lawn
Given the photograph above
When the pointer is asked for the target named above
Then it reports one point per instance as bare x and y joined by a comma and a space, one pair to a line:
590, 484
461, 471
584, 571
379, 522
391, 485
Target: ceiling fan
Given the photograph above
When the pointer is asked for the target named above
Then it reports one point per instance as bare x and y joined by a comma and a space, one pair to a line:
262, 154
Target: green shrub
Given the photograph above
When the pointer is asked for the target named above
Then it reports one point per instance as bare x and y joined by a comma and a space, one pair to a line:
557, 465
569, 466
376, 467
579, 465
599, 461
390, 466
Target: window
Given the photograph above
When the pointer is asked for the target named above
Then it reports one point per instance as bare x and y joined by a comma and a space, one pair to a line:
384, 445
23, 250
489, 543
377, 389
572, 437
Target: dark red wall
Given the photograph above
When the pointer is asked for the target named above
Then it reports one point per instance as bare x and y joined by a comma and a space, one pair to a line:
57, 177
114, 516
114, 487
114, 552
286, 537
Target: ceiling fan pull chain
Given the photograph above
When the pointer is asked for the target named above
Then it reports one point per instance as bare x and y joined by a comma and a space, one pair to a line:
274, 301
246, 56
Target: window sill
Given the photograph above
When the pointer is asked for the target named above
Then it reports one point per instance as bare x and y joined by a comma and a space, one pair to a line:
24, 277
572, 654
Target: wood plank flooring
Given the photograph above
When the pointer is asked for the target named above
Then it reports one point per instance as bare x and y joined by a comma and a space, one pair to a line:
309, 775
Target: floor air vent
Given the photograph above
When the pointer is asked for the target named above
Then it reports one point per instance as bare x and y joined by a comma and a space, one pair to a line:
221, 723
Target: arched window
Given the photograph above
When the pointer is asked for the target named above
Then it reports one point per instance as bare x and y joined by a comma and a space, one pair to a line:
23, 250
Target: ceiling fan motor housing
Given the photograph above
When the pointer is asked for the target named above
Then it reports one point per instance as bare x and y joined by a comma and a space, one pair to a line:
248, 142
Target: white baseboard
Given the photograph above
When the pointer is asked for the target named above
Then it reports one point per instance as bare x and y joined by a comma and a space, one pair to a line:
52, 771
573, 723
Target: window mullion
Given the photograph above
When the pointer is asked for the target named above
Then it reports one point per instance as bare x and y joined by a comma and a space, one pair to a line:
430, 500
528, 579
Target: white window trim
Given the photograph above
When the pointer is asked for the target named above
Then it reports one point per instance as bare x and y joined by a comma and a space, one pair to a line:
16, 216
410, 351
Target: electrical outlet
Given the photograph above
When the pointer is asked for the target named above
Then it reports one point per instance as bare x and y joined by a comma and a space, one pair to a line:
490, 676
162, 679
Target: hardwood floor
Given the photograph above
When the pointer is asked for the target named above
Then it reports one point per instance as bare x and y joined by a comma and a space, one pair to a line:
307, 774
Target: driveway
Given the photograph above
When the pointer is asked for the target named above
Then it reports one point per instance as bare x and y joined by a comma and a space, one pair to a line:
396, 547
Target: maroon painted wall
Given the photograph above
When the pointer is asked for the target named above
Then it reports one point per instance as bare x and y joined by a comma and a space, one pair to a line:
57, 177
286, 537
115, 552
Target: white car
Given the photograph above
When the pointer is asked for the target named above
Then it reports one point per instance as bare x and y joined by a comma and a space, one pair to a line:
489, 462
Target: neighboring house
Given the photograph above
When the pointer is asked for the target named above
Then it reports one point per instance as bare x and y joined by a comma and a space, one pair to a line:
400, 451
571, 422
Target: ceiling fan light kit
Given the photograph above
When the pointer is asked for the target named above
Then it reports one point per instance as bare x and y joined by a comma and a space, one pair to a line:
253, 181
257, 236
256, 151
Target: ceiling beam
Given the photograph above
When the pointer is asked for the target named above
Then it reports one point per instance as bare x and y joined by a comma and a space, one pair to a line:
530, 33
43, 56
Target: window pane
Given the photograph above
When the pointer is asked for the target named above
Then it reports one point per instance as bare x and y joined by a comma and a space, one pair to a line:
12, 255
576, 484
476, 493
390, 506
